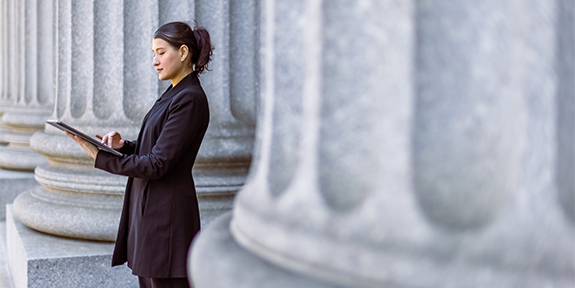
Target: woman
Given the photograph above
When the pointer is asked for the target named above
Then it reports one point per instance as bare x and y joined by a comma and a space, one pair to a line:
160, 215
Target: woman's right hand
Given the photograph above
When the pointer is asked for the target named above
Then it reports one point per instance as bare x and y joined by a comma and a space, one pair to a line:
112, 140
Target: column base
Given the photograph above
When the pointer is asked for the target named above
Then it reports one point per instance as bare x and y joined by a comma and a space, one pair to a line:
40, 260
90, 217
216, 187
213, 206
3, 131
216, 260
20, 158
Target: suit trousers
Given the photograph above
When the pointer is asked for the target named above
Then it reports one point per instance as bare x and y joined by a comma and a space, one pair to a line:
163, 282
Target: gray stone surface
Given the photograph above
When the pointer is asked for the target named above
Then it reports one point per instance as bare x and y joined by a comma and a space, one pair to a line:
41, 260
97, 102
13, 183
566, 106
6, 99
14, 60
220, 254
225, 155
21, 158
68, 215
5, 277
213, 205
469, 84
75, 199
407, 143
33, 96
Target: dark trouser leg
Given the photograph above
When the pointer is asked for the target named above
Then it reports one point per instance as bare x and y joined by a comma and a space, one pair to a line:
170, 283
145, 282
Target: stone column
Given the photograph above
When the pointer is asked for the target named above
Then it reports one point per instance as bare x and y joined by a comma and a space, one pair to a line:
79, 201
5, 99
33, 94
103, 82
231, 87
11, 182
565, 106
384, 161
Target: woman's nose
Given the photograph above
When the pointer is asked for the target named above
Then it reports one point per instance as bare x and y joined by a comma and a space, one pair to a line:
155, 61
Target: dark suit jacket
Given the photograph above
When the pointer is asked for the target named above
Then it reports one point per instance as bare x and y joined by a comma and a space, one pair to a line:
160, 215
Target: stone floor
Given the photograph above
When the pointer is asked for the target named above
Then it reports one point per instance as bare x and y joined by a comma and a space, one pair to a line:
5, 280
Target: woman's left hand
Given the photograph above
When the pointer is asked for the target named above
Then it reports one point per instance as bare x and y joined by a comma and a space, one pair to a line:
89, 147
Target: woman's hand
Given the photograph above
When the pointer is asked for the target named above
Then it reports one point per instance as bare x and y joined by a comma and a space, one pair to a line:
112, 140
89, 147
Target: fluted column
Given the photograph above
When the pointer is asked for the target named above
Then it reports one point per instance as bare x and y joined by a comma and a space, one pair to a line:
33, 94
102, 84
110, 87
231, 87
406, 144
10, 37
4, 95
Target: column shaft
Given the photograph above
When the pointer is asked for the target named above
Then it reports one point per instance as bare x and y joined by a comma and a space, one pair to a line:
231, 87
75, 199
406, 143
6, 99
33, 94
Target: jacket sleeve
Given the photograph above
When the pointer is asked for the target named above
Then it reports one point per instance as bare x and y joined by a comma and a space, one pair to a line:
187, 119
129, 147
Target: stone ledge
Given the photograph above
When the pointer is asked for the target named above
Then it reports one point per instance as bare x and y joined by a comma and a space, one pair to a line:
41, 260
5, 280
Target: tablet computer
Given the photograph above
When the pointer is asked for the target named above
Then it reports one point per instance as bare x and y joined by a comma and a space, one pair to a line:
65, 127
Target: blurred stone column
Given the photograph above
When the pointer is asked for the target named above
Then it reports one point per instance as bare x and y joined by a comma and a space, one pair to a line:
375, 168
565, 106
102, 84
231, 87
33, 94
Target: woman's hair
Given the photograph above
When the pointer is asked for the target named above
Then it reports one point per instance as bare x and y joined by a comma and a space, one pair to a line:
197, 40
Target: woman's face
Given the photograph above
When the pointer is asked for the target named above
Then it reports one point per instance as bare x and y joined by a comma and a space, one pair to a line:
169, 61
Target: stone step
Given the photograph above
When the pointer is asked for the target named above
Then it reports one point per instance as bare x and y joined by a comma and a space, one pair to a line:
38, 260
5, 279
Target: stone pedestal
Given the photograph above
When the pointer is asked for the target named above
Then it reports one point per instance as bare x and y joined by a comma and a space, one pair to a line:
44, 261
406, 144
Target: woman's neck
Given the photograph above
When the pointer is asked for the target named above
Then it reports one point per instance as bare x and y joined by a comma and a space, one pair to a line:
181, 76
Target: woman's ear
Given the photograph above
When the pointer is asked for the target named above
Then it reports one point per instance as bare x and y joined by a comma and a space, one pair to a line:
184, 51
